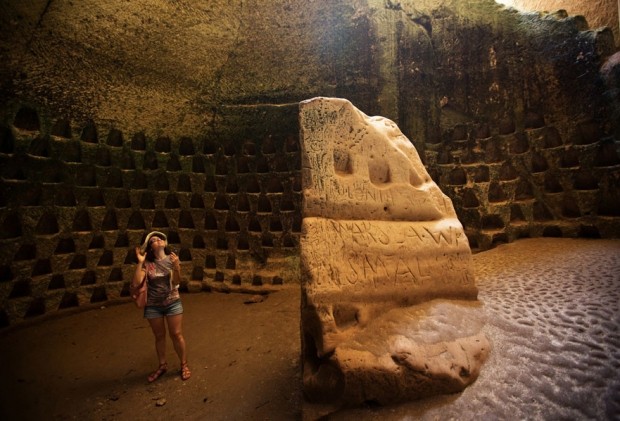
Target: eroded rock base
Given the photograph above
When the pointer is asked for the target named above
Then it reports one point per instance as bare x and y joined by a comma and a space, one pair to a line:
405, 354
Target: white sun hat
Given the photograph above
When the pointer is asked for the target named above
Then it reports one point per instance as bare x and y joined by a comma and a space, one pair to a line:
148, 237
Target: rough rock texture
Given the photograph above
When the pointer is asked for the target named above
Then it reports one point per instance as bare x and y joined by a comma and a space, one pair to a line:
379, 242
364, 165
168, 67
75, 201
553, 316
599, 13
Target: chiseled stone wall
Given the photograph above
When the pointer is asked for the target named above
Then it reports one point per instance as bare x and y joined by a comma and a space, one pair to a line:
76, 200
597, 12
525, 136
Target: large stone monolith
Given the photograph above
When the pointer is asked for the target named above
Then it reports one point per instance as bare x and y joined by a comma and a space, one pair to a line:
389, 302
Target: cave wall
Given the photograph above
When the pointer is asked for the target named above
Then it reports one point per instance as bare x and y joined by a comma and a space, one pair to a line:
119, 117
599, 13
76, 200
524, 135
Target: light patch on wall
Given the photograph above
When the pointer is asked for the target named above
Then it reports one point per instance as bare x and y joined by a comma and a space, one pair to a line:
507, 3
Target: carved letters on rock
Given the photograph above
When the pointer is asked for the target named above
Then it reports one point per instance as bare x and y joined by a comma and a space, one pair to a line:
389, 302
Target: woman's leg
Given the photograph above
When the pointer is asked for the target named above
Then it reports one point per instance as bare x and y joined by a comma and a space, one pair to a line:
175, 329
159, 331
176, 334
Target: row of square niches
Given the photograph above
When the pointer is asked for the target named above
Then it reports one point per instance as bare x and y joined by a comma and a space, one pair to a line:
98, 256
64, 162
22, 288
155, 181
14, 224
220, 241
27, 120
459, 176
27, 253
603, 156
536, 132
66, 197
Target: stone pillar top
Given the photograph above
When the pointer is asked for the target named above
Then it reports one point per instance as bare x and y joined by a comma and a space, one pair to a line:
360, 167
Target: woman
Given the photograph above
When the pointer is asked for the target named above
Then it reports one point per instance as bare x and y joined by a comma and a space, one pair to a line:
163, 303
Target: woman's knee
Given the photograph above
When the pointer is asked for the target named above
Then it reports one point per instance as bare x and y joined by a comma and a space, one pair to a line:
176, 335
160, 335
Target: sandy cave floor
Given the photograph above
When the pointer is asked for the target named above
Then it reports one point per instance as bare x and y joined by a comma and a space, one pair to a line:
553, 308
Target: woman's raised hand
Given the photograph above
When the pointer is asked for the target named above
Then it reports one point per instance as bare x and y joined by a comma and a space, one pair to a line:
175, 260
141, 257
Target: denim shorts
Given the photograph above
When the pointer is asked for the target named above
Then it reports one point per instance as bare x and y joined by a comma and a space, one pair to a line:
172, 309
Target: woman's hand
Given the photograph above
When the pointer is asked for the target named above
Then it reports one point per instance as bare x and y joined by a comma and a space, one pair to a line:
141, 257
139, 274
176, 266
175, 261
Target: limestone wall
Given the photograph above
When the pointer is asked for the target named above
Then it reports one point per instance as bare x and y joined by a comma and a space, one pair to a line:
77, 198
515, 120
599, 13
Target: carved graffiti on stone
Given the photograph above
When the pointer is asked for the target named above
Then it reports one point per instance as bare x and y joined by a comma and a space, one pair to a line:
378, 237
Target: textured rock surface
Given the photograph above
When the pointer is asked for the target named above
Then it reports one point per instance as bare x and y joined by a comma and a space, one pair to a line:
597, 12
364, 165
74, 202
379, 242
553, 311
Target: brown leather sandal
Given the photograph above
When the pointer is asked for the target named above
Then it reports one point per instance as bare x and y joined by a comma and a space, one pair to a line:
185, 372
158, 373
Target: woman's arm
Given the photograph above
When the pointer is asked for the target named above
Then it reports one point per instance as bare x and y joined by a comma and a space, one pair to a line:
176, 269
140, 273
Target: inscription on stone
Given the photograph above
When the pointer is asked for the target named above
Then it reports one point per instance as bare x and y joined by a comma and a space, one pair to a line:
356, 255
378, 236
